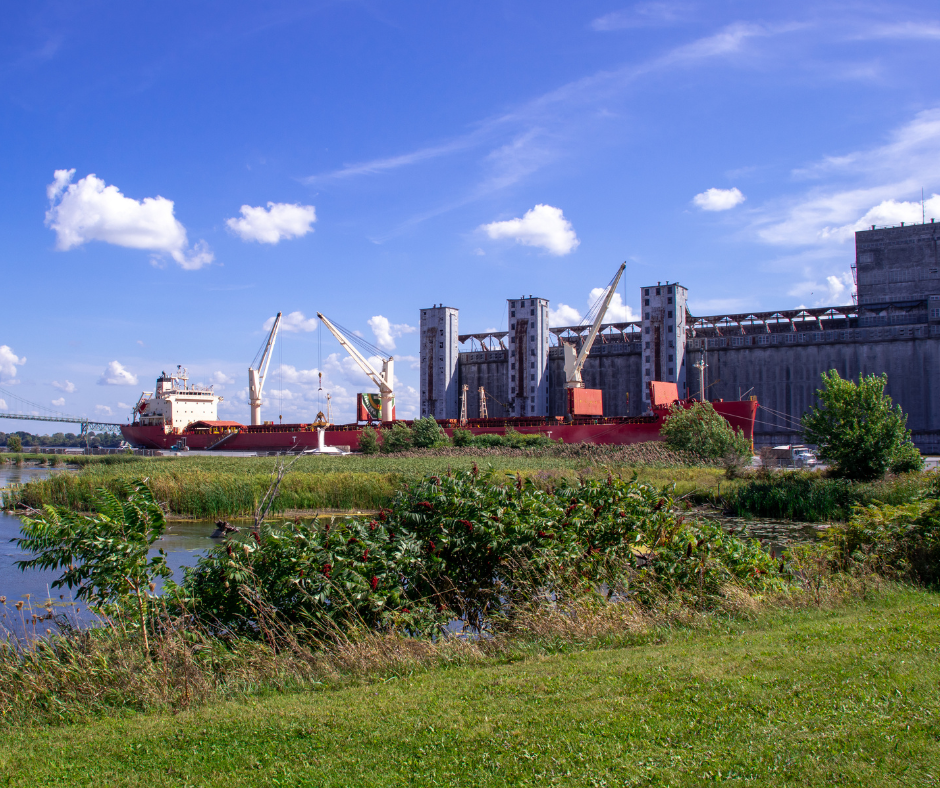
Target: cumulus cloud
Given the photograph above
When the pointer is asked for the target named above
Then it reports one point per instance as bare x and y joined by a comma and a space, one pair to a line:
385, 332
220, 379
3, 404
294, 322
543, 226
834, 290
116, 375
9, 361
277, 222
290, 374
90, 210
68, 387
103, 410
617, 311
563, 315
59, 402
718, 199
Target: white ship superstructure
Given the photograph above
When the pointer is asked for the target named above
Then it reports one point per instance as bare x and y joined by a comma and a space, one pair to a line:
175, 404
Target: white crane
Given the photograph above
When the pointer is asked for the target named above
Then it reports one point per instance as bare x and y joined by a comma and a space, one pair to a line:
574, 361
257, 372
384, 380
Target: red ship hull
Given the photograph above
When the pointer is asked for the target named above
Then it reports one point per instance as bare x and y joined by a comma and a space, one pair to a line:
298, 437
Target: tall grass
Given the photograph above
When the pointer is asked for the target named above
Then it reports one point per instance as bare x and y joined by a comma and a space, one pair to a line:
812, 497
208, 487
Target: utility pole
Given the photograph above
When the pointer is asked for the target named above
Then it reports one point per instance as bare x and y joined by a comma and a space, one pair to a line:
701, 366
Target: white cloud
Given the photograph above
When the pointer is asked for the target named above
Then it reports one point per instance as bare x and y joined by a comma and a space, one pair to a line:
642, 15
68, 387
115, 375
543, 226
865, 187
90, 210
3, 404
563, 315
718, 199
9, 361
385, 332
834, 290
59, 402
293, 375
279, 221
124, 406
104, 410
220, 379
617, 311
293, 322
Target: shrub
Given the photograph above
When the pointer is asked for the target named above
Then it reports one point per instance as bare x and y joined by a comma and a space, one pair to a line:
105, 555
369, 441
701, 431
426, 433
903, 539
398, 438
14, 444
907, 459
465, 547
856, 427
462, 437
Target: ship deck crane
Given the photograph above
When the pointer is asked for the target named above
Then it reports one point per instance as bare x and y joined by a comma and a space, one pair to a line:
384, 380
257, 372
574, 360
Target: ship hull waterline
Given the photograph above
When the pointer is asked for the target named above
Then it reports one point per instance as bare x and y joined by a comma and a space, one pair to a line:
300, 437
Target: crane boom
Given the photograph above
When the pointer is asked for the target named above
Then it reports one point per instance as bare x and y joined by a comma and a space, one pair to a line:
574, 363
384, 380
256, 376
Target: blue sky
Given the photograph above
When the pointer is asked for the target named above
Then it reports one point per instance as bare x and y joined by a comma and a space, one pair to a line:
365, 159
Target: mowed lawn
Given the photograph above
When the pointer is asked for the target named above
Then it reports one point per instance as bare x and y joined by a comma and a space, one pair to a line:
849, 696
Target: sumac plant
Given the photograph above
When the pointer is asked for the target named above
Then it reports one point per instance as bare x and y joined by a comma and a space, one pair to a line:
470, 547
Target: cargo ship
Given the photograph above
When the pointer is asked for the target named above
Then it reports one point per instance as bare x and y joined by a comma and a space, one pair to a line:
180, 416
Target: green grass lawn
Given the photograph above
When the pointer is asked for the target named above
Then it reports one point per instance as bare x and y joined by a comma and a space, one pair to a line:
849, 696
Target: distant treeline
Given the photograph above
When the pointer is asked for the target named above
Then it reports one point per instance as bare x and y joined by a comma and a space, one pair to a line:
61, 439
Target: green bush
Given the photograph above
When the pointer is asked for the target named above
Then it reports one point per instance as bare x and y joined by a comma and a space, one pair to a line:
903, 539
701, 431
14, 444
907, 459
462, 437
466, 547
427, 433
857, 429
369, 441
398, 438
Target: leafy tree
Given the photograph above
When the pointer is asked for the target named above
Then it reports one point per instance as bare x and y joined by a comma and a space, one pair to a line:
14, 443
701, 431
857, 428
369, 441
398, 438
426, 433
105, 555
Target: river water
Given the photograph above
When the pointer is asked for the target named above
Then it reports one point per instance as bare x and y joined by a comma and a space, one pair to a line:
183, 542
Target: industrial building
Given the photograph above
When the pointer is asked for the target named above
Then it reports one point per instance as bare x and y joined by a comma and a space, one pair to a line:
777, 357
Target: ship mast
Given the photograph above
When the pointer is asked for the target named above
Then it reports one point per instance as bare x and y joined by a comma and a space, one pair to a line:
257, 372
385, 379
